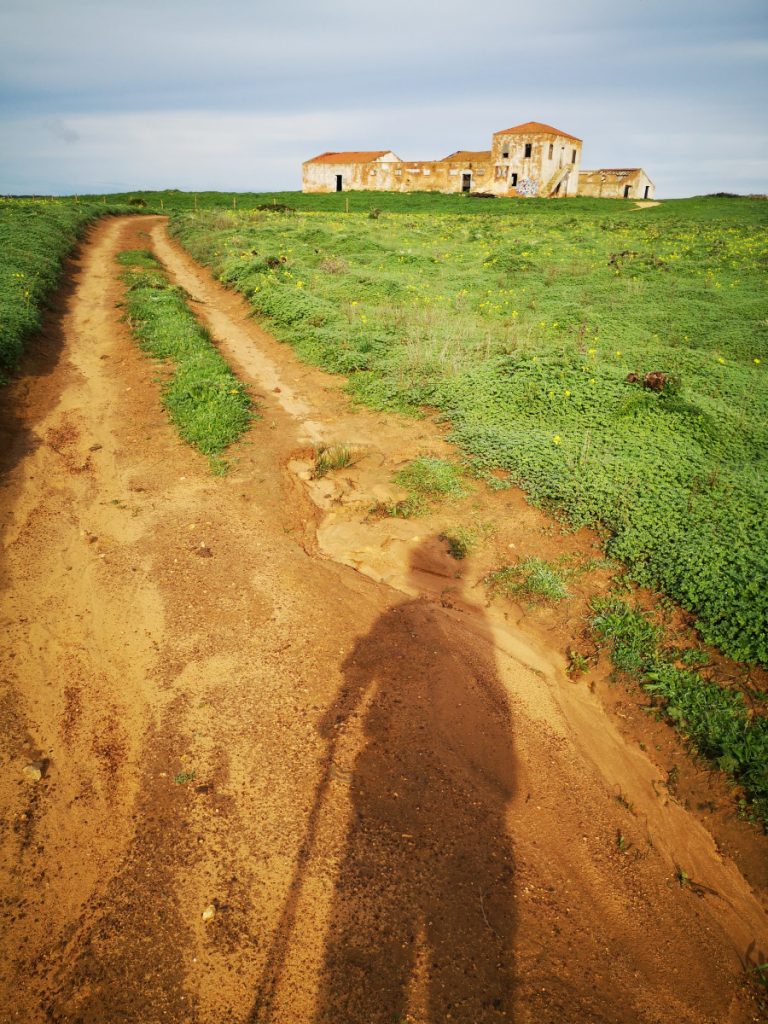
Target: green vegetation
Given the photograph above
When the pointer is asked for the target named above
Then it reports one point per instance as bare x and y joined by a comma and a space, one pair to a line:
522, 322
208, 404
36, 235
427, 479
371, 205
717, 721
461, 541
335, 456
430, 477
532, 578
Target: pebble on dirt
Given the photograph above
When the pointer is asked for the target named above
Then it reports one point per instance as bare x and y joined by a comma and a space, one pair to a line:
34, 771
209, 913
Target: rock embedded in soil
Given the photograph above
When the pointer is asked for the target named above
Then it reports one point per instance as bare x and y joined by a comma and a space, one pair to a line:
34, 771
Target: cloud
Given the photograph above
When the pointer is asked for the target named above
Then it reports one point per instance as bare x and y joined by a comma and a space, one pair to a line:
236, 95
61, 130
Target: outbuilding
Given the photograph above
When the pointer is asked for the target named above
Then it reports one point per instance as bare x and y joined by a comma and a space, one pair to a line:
616, 183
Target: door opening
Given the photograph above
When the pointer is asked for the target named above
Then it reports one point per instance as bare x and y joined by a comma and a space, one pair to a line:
627, 189
647, 190
466, 182
338, 183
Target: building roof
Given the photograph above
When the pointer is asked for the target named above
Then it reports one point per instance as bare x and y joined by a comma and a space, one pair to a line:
535, 128
623, 171
354, 156
467, 155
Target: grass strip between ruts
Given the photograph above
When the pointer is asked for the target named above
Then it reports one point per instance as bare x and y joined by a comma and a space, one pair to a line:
209, 406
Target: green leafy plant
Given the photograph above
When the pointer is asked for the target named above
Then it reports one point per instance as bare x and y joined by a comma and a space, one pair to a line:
717, 721
578, 663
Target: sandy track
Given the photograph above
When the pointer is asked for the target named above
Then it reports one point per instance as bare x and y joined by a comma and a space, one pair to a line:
394, 799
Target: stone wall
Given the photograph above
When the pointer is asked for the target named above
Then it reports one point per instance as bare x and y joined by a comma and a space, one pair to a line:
616, 183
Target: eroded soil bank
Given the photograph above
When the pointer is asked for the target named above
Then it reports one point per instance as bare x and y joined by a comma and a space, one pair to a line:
248, 694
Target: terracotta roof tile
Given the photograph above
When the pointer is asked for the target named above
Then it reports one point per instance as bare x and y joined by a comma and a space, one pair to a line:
349, 157
467, 154
536, 128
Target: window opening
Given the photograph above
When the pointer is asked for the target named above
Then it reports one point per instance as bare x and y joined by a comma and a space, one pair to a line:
551, 149
573, 157
513, 179
528, 148
338, 183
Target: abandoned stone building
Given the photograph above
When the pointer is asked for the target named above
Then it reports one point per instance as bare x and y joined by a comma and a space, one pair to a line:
531, 159
616, 183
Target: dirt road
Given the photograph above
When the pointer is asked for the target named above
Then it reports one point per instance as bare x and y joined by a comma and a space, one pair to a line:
252, 702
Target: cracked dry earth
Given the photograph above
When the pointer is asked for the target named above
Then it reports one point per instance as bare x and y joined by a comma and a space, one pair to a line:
249, 700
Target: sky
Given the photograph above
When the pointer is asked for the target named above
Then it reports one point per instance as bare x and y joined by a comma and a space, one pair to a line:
98, 96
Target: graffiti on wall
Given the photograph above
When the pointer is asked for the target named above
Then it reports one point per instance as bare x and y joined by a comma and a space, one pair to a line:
527, 187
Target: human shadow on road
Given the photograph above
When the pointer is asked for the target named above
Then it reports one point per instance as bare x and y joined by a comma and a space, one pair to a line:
422, 915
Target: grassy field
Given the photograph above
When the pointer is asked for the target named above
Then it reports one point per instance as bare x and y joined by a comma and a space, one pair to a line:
522, 321
35, 237
209, 406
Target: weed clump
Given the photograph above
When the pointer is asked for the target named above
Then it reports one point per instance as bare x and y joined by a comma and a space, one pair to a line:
430, 477
335, 456
532, 578
334, 265
427, 479
460, 542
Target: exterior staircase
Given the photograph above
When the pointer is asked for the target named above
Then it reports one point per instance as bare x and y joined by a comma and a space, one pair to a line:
555, 180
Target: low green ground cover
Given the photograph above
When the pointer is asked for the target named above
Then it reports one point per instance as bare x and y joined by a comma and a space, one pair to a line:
521, 321
718, 722
368, 203
210, 407
35, 237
